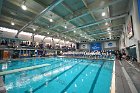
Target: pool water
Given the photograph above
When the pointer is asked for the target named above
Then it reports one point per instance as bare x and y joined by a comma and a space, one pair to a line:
16, 64
64, 75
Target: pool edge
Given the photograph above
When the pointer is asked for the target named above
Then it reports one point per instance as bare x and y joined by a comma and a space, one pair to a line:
112, 88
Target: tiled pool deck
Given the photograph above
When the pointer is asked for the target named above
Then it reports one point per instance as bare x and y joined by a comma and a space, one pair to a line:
127, 78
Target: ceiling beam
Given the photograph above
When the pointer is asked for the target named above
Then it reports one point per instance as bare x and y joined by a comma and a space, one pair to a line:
41, 3
1, 2
9, 19
34, 12
29, 11
14, 12
98, 22
6, 23
91, 13
15, 16
49, 8
116, 25
69, 9
83, 12
18, 5
105, 34
63, 20
66, 7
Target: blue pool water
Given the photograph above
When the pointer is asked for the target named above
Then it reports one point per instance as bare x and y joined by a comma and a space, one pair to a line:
15, 64
64, 75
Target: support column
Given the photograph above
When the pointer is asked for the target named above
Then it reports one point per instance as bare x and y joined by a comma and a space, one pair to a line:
138, 51
33, 39
1, 2
136, 26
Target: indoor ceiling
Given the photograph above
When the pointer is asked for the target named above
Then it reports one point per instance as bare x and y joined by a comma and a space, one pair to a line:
73, 20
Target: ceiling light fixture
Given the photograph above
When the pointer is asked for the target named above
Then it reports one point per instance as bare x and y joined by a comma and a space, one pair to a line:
48, 33
24, 7
51, 20
106, 23
12, 23
109, 29
109, 33
74, 31
34, 29
65, 26
103, 13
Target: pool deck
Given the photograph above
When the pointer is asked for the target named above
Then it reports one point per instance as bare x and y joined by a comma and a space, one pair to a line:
2, 88
127, 77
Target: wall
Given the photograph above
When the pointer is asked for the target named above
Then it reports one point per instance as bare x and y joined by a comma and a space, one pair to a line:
10, 33
125, 41
102, 42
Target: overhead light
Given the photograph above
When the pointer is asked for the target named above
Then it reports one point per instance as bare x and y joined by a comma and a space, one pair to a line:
12, 23
65, 26
103, 13
106, 23
48, 33
109, 33
109, 29
34, 29
51, 20
24, 7
74, 31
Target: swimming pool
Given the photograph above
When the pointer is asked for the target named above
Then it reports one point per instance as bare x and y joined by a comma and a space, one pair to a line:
63, 75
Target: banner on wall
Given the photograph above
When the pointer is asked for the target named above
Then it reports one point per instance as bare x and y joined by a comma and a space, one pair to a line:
95, 47
139, 8
110, 44
130, 32
83, 46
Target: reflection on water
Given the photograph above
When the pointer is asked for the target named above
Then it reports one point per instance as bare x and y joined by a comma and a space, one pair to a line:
24, 79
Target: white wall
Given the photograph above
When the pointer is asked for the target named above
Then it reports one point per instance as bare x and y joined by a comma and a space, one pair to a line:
10, 33
125, 41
